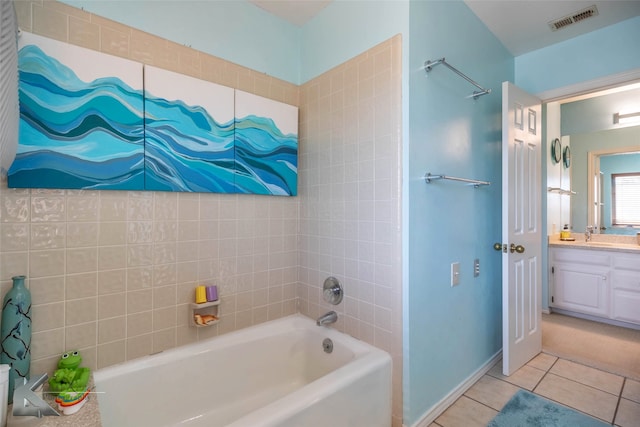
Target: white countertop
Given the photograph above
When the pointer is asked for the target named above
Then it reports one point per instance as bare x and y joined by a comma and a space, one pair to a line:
600, 242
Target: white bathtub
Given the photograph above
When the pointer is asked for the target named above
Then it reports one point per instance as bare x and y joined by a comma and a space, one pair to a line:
272, 374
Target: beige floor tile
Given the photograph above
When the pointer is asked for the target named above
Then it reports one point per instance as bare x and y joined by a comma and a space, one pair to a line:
526, 377
466, 412
631, 390
628, 414
492, 392
587, 399
543, 361
610, 348
589, 376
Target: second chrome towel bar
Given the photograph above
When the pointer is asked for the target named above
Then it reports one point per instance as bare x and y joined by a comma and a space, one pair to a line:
476, 183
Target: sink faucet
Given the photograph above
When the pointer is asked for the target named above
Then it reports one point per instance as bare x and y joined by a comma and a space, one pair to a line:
588, 233
327, 318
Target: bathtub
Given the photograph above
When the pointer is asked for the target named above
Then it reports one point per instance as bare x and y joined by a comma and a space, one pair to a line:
273, 374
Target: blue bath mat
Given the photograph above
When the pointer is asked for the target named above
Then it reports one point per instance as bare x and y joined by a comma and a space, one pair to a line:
528, 410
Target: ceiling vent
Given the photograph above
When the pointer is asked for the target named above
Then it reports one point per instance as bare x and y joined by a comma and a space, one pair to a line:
574, 18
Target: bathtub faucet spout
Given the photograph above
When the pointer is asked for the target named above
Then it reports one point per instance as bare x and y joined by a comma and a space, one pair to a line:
327, 318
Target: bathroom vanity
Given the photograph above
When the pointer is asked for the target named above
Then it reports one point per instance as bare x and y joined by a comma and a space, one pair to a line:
599, 279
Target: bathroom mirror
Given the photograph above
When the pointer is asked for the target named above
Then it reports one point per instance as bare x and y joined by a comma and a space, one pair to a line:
603, 165
596, 156
588, 128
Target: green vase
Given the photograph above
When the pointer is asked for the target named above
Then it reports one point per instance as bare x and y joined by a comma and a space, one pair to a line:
16, 332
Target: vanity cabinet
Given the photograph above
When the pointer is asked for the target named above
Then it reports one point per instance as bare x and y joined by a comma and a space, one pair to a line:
604, 284
580, 280
625, 293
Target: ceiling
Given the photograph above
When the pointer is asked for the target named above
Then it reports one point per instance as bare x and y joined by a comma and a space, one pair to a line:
521, 25
297, 12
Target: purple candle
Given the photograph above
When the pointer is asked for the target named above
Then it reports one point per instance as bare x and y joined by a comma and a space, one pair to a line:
212, 293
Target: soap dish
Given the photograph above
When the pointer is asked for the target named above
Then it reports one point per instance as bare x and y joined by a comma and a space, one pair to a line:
569, 239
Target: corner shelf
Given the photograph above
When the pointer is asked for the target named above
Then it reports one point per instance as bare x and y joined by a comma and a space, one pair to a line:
204, 308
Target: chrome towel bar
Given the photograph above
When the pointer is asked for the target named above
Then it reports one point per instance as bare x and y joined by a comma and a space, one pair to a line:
428, 66
561, 191
476, 183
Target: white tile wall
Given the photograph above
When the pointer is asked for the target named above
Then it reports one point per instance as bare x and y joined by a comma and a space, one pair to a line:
112, 273
115, 271
349, 165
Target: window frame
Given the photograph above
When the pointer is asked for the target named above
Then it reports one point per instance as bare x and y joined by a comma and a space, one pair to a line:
614, 220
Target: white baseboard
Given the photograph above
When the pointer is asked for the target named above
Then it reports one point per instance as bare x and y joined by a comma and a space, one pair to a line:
436, 410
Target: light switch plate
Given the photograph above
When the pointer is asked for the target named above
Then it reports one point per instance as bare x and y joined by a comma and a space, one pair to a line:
455, 273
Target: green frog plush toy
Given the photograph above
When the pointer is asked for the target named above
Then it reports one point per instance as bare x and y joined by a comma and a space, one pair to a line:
70, 382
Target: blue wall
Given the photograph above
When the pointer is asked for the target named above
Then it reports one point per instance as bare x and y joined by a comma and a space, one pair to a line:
609, 50
596, 114
452, 332
233, 30
346, 28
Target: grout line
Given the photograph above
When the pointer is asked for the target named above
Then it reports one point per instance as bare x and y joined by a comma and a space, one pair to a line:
482, 403
576, 409
615, 412
543, 376
582, 384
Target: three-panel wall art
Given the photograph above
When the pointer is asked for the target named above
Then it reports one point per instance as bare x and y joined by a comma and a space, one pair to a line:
94, 121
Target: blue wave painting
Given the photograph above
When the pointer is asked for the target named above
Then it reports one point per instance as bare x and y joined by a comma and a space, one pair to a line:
199, 145
266, 159
87, 123
76, 134
187, 148
266, 145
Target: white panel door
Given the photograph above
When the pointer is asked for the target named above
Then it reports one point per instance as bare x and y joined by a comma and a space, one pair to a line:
521, 228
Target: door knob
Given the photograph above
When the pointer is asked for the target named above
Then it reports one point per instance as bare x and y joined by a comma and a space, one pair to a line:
497, 246
518, 248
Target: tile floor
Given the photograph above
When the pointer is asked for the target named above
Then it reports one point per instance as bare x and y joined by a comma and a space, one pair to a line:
608, 397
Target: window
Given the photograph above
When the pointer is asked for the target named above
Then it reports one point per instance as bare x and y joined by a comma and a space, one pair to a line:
625, 199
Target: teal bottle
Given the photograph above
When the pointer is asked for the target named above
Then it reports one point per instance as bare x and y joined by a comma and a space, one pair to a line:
15, 332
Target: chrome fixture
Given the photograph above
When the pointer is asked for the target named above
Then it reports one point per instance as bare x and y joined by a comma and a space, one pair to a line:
626, 118
327, 345
428, 66
561, 191
588, 233
327, 318
476, 183
332, 291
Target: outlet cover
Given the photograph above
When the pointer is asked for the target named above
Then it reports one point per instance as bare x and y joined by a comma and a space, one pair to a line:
455, 274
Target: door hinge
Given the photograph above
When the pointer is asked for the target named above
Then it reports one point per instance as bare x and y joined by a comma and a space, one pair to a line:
552, 299
553, 270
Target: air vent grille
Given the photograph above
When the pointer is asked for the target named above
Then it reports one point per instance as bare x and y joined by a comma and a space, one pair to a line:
574, 18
